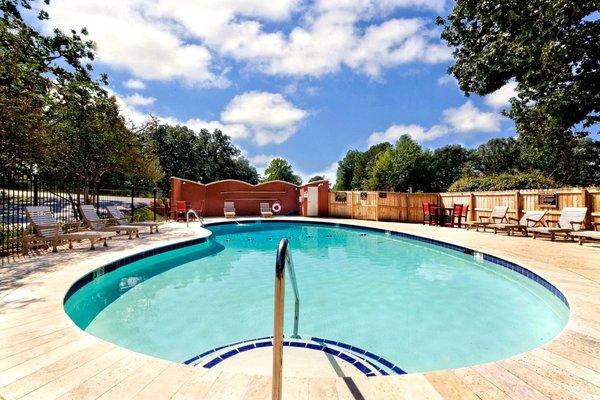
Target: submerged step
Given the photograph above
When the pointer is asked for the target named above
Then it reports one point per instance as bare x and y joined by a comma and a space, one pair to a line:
364, 361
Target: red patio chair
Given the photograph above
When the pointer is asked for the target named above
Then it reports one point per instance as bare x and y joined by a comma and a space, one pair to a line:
464, 215
180, 210
426, 214
455, 213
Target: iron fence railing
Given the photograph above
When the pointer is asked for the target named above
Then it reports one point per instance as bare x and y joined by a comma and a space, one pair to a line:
21, 189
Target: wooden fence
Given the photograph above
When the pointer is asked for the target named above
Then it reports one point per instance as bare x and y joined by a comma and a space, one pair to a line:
408, 207
380, 206
520, 201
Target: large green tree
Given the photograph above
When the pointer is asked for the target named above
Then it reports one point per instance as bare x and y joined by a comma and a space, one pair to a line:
281, 170
32, 68
550, 47
399, 168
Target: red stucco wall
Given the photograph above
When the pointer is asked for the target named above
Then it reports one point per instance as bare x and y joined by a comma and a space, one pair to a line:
246, 197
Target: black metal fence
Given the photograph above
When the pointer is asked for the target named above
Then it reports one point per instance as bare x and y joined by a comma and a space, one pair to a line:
20, 190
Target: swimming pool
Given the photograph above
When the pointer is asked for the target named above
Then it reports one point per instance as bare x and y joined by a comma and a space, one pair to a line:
419, 305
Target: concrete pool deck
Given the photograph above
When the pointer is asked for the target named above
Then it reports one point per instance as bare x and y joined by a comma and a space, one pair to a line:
43, 355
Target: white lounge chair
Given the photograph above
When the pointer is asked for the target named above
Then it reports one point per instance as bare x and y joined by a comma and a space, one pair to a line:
497, 216
571, 220
265, 210
48, 230
120, 219
93, 221
229, 209
587, 235
530, 219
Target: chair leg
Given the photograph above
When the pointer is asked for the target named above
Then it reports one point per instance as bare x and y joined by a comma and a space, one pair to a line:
580, 240
70, 245
552, 237
137, 233
105, 244
92, 241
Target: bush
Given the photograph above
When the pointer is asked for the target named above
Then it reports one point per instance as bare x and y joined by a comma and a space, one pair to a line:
146, 214
505, 181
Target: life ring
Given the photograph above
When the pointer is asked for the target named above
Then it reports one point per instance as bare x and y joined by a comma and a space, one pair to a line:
276, 207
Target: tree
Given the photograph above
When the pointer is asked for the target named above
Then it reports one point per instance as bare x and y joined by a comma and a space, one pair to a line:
32, 67
443, 166
365, 163
498, 155
345, 171
316, 178
549, 47
399, 168
280, 170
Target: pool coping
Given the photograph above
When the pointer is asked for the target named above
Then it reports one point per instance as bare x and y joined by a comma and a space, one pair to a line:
570, 363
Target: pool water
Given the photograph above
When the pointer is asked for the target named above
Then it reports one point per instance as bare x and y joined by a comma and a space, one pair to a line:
421, 306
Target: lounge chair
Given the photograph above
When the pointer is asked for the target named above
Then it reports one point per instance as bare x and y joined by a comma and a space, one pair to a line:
93, 221
48, 230
229, 209
120, 219
530, 219
497, 216
571, 219
265, 210
585, 235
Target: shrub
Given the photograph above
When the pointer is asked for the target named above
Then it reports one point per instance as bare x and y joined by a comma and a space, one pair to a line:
146, 214
504, 181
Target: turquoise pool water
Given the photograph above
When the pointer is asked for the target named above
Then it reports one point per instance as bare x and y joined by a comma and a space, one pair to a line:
422, 307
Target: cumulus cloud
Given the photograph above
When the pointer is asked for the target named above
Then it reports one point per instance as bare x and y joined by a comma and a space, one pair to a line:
468, 118
416, 132
137, 100
446, 80
191, 41
135, 84
329, 173
501, 97
235, 131
270, 117
261, 160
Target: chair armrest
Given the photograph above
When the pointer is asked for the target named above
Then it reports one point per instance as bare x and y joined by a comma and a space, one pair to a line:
551, 221
534, 221
574, 222
498, 219
482, 217
76, 225
514, 219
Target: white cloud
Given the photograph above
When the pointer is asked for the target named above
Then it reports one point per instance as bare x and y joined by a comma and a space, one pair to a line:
261, 160
329, 173
135, 84
192, 41
468, 118
137, 100
501, 97
446, 80
235, 131
270, 117
416, 132
130, 39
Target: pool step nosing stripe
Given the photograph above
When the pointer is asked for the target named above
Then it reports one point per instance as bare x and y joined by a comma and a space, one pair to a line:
361, 359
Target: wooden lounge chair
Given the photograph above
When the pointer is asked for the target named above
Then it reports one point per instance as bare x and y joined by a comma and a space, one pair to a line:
93, 221
120, 219
530, 219
571, 220
497, 216
48, 230
265, 210
229, 209
587, 235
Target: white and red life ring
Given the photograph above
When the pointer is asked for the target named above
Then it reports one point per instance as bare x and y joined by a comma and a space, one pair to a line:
276, 207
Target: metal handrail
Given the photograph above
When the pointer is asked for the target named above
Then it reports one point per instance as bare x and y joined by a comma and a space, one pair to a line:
284, 258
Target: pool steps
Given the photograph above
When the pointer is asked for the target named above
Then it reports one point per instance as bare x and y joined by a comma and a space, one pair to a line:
366, 362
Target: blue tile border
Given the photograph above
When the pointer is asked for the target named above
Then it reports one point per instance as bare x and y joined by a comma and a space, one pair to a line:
112, 266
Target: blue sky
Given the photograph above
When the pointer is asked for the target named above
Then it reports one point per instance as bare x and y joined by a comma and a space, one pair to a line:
304, 80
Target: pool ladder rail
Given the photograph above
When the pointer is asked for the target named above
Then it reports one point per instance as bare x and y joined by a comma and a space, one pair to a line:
283, 260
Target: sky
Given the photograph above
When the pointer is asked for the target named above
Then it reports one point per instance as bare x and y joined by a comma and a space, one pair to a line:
302, 80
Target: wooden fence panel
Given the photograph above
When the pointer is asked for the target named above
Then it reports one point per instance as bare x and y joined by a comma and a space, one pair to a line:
408, 207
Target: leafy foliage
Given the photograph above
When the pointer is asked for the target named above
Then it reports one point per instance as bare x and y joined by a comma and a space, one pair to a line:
550, 47
316, 178
203, 157
281, 170
504, 181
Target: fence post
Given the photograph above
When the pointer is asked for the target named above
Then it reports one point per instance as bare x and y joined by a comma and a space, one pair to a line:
97, 198
154, 192
472, 213
36, 190
518, 204
586, 203
132, 204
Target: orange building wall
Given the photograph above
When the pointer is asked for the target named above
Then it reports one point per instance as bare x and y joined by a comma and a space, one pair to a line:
246, 197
